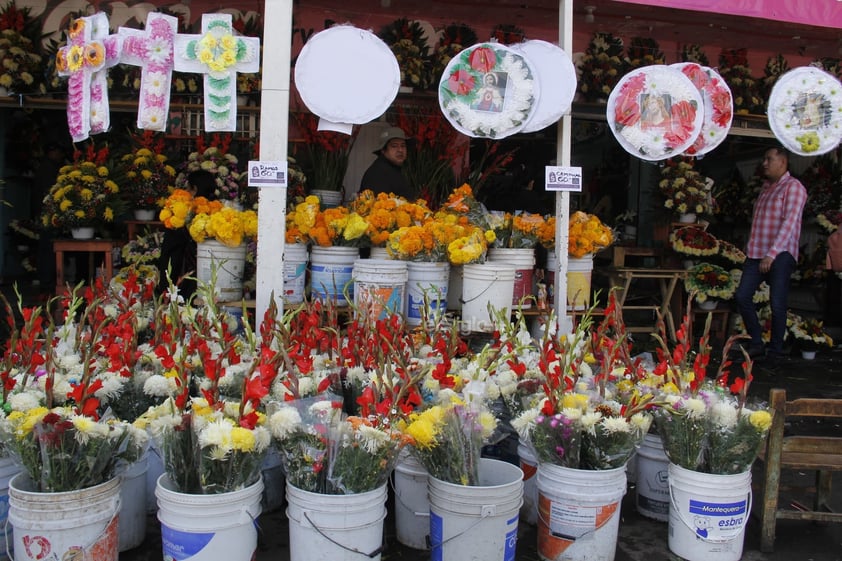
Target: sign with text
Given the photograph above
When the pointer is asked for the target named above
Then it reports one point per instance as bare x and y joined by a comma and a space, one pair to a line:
267, 174
558, 178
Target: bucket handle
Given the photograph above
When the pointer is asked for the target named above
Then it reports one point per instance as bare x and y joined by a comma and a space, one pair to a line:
692, 528
487, 510
400, 499
486, 289
371, 555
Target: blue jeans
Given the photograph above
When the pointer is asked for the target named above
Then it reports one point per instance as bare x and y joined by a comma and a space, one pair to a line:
778, 279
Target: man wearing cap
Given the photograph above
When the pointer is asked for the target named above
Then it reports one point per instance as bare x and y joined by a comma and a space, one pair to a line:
384, 175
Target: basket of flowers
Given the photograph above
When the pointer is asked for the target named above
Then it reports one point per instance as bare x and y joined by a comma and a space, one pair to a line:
149, 179
709, 283
685, 190
809, 334
84, 194
694, 241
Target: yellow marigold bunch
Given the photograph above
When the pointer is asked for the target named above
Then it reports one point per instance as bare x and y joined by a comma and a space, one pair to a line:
470, 248
176, 209
227, 226
386, 213
587, 234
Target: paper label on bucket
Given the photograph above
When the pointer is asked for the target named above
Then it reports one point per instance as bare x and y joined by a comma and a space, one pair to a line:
570, 521
183, 545
718, 521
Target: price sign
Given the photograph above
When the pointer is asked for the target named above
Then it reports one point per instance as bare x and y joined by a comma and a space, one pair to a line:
267, 174
559, 178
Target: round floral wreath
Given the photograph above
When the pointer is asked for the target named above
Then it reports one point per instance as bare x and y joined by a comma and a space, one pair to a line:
655, 137
718, 104
463, 83
805, 111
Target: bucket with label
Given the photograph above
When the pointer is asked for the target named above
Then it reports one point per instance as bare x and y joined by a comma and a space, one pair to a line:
652, 484
708, 514
529, 466
579, 282
8, 469
454, 288
412, 507
579, 512
331, 270
296, 257
133, 504
523, 261
484, 286
430, 281
477, 522
208, 527
335, 527
82, 524
229, 264
379, 287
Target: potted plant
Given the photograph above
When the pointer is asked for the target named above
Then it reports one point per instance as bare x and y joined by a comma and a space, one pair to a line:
686, 192
149, 179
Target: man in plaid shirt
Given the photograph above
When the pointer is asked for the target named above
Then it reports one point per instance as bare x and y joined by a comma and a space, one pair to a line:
772, 251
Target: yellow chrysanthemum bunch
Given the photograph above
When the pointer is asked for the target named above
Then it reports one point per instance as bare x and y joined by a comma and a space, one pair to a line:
227, 225
149, 179
83, 195
587, 234
333, 226
386, 213
176, 209
470, 248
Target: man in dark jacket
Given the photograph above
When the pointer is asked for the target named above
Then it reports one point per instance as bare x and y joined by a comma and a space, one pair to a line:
384, 175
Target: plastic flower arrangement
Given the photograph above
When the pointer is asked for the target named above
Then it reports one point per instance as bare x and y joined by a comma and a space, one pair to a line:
684, 189
587, 234
695, 241
809, 333
338, 226
149, 179
55, 382
20, 66
216, 160
84, 194
707, 280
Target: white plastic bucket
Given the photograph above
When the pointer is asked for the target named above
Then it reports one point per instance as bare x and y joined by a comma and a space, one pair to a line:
552, 267
379, 287
133, 504
335, 527
579, 283
8, 469
579, 512
708, 514
484, 285
412, 508
208, 527
652, 484
523, 261
379, 253
529, 467
477, 522
432, 280
154, 470
81, 524
330, 272
230, 263
295, 272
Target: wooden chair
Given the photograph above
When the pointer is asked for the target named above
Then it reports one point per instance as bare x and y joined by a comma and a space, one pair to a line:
809, 450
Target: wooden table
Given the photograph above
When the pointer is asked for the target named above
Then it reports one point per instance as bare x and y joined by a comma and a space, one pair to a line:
91, 247
667, 283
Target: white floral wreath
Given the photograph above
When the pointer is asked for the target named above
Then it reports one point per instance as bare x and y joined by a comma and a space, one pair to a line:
637, 131
718, 103
805, 111
463, 87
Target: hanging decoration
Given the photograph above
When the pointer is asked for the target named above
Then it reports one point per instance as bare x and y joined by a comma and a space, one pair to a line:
346, 76
655, 112
89, 52
488, 91
805, 111
556, 78
718, 106
218, 55
152, 50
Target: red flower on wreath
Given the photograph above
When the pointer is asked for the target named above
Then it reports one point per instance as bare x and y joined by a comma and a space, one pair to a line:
683, 116
461, 82
627, 109
483, 59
